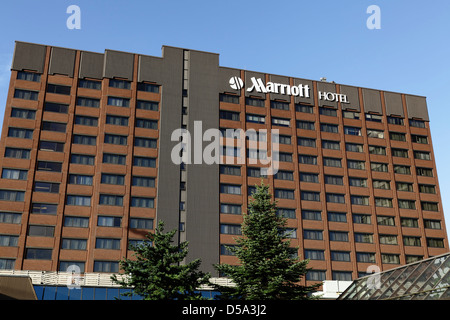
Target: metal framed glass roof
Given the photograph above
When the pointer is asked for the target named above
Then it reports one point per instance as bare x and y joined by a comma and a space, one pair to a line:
422, 280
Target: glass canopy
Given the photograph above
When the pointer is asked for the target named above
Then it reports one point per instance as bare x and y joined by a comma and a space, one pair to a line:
423, 280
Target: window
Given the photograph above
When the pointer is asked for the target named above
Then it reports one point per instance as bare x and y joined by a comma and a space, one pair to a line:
255, 102
419, 139
41, 231
58, 89
305, 125
280, 105
252, 172
342, 275
90, 84
381, 184
230, 188
388, 239
49, 166
350, 114
117, 120
230, 208
395, 120
286, 213
335, 198
119, 84
44, 208
253, 135
430, 224
282, 139
357, 182
412, 258
313, 234
390, 258
148, 87
23, 113
51, 187
354, 131
11, 195
116, 179
142, 202
383, 202
26, 94
365, 257
147, 124
76, 222
422, 155
337, 216
377, 150
314, 254
372, 133
53, 126
306, 142
51, 146
229, 115
9, 241
402, 169
254, 118
56, 107
310, 196
328, 127
435, 243
307, 159
362, 218
229, 98
108, 221
288, 233
379, 167
106, 243
373, 117
332, 145
417, 123
309, 177
14, 174
339, 236
427, 188
148, 182
354, 147
385, 221
74, 244
311, 215
401, 153
17, 153
20, 133
111, 200
147, 105
86, 121
429, 206
356, 164
360, 200
83, 159
281, 122
284, 194
141, 223
86, 140
88, 102
76, 200
284, 175
340, 256
114, 158
145, 142
115, 139
106, 266
304, 108
234, 229
397, 136
283, 157
425, 172
144, 162
332, 162
38, 254
28, 76
409, 222
411, 241
118, 102
16, 218
328, 112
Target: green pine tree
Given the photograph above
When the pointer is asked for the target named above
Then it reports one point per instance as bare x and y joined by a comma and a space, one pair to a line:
267, 270
157, 273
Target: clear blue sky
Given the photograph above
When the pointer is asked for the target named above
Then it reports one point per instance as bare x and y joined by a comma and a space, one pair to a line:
307, 39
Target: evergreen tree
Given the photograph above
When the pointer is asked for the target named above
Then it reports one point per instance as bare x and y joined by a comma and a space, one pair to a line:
267, 269
157, 272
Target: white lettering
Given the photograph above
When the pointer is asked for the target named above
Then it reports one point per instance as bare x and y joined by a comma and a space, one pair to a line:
74, 20
258, 85
374, 21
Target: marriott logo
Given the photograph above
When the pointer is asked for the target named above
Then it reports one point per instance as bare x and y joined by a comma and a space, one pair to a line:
273, 87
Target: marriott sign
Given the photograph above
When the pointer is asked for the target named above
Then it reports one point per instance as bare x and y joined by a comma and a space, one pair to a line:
300, 90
